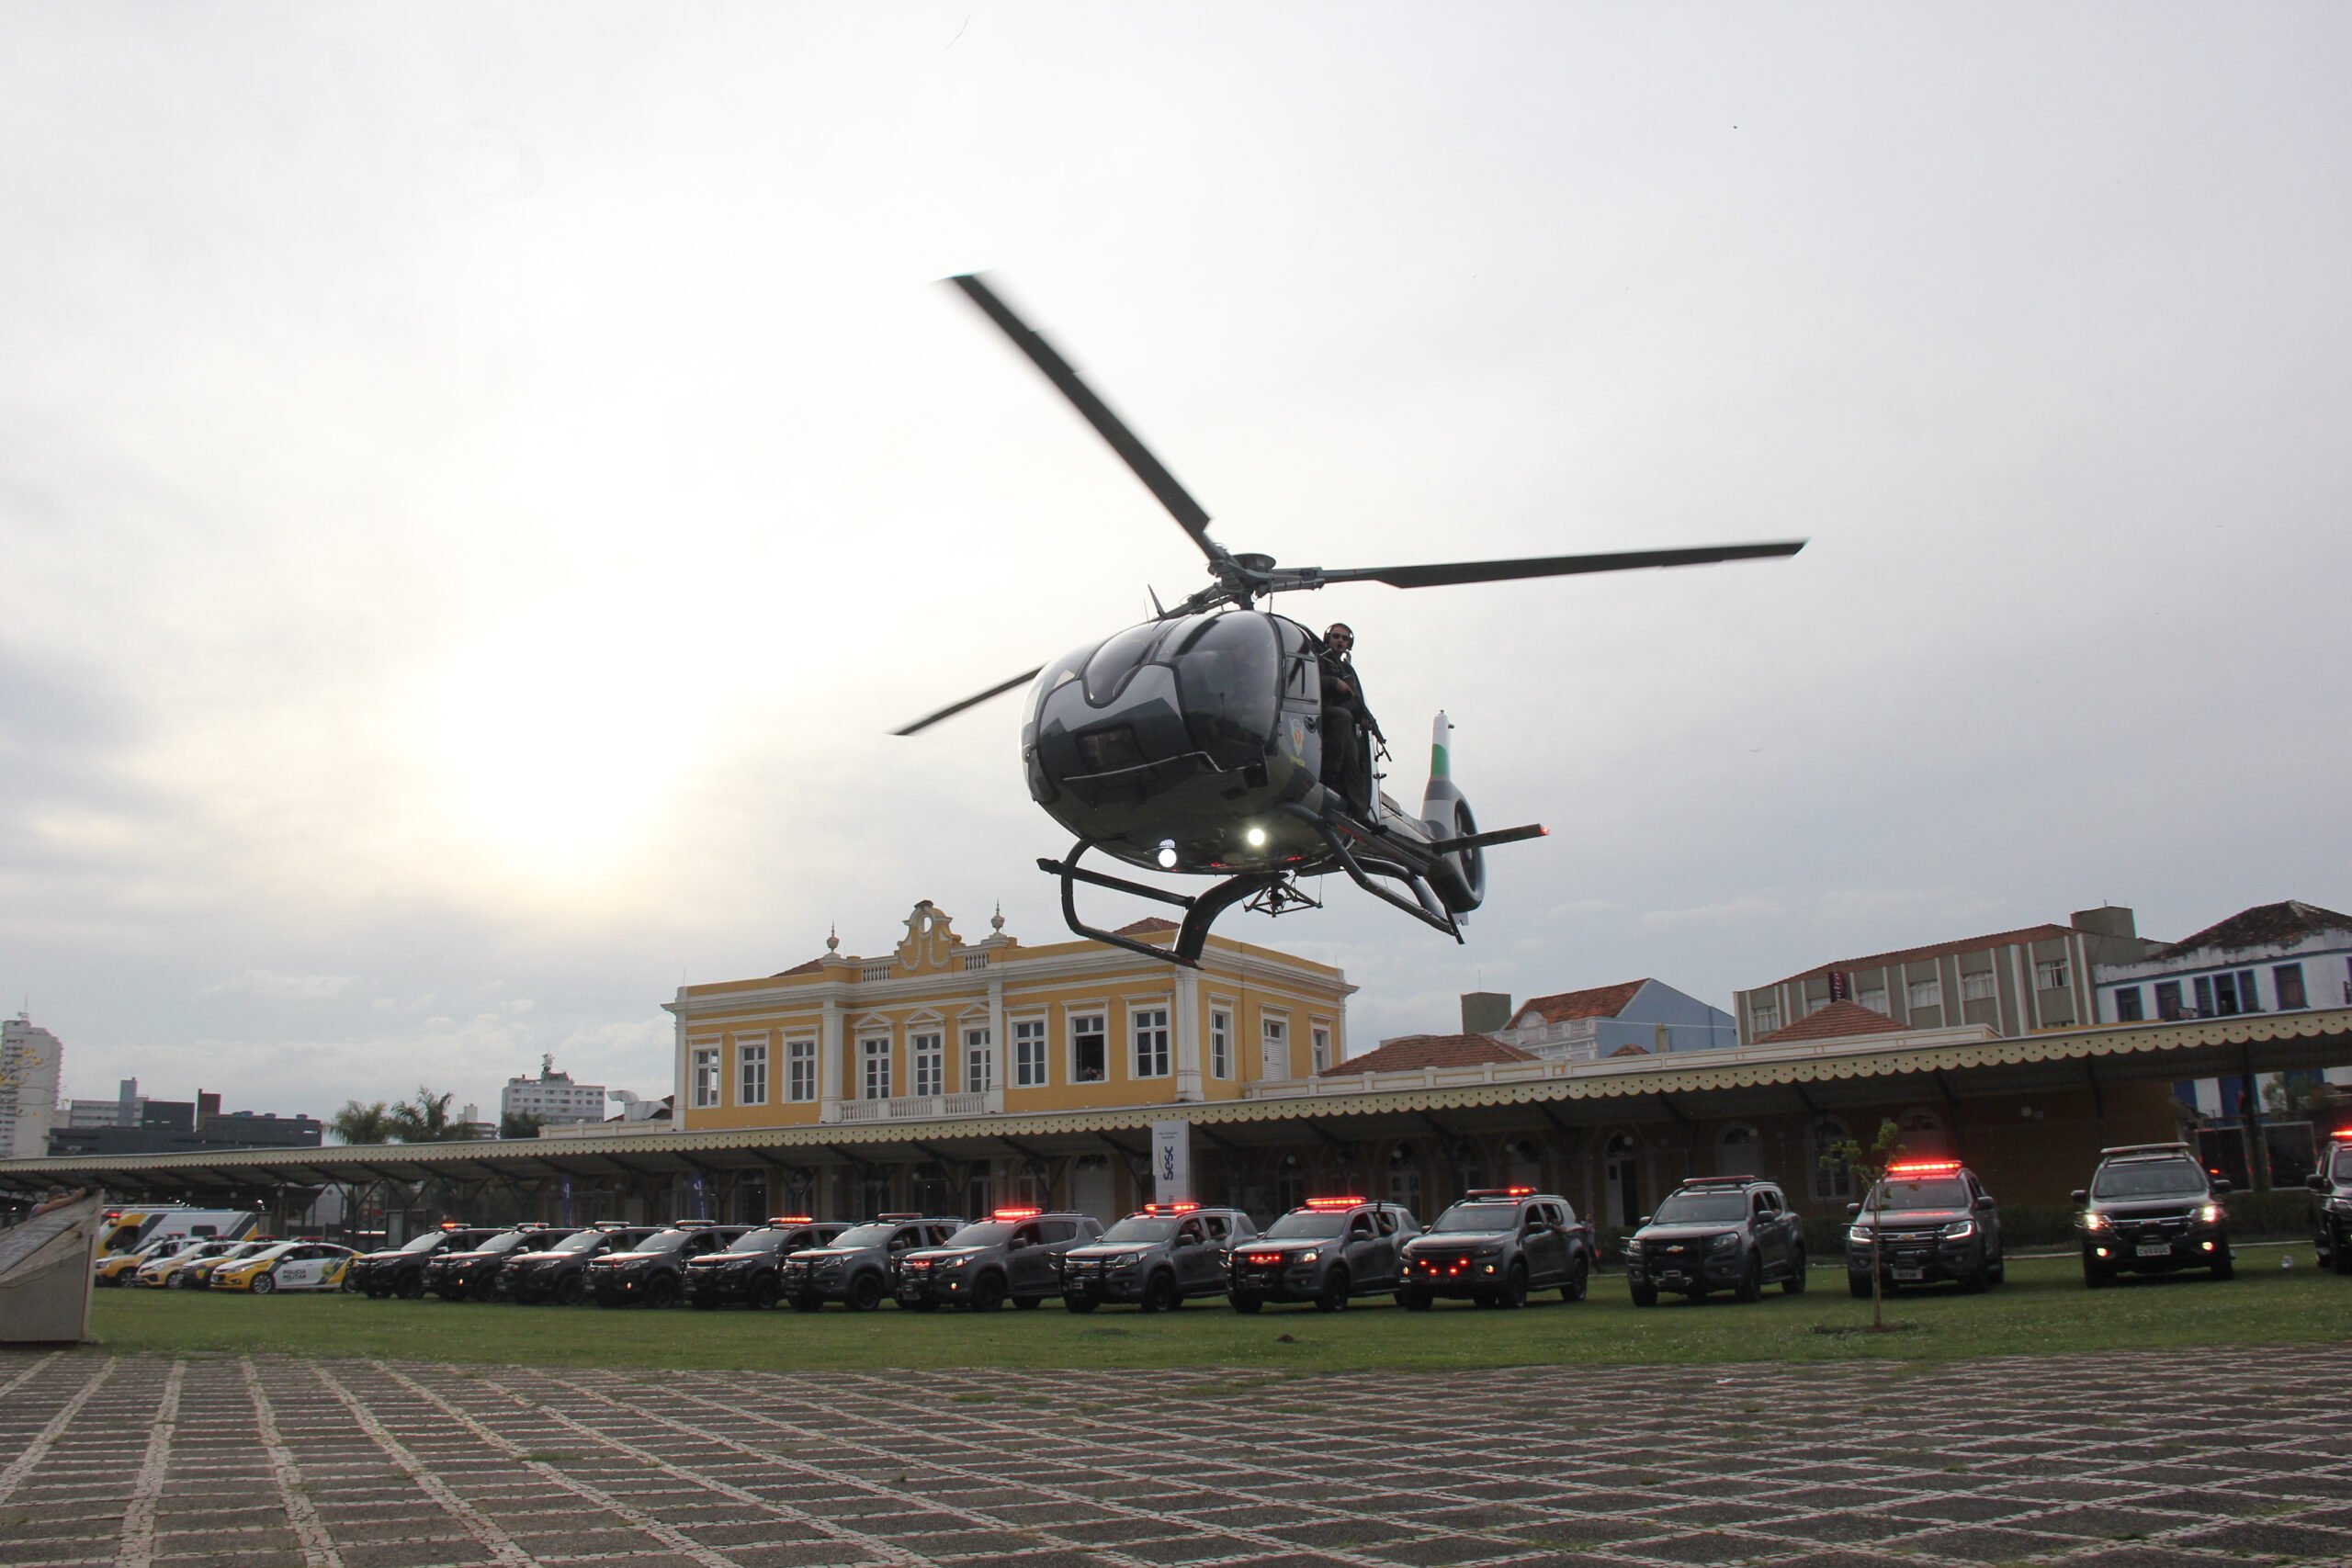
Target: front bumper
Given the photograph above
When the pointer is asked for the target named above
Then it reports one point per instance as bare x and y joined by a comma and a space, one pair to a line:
613, 1288
825, 1284
2150, 1252
721, 1284
1687, 1271
1915, 1260
1453, 1274
1283, 1282
1090, 1282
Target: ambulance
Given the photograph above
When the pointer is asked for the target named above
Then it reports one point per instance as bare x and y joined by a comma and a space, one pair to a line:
127, 1229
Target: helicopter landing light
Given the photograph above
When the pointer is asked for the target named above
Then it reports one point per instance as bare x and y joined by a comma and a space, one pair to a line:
1167, 854
1257, 837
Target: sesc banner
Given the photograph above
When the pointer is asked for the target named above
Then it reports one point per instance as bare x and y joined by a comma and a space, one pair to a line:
1171, 1161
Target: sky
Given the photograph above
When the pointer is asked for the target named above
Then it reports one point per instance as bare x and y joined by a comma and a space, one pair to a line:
478, 486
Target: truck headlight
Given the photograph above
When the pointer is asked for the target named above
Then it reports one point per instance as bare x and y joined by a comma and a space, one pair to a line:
1958, 1230
1725, 1242
1310, 1256
1127, 1261
2210, 1214
2094, 1221
1856, 1236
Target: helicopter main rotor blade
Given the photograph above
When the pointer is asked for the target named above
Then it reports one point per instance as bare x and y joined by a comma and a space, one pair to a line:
1181, 505
1448, 573
952, 709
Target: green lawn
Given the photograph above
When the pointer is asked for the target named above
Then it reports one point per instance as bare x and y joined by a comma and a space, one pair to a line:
2043, 1309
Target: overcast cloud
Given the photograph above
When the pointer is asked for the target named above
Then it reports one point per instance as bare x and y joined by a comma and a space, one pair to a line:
479, 484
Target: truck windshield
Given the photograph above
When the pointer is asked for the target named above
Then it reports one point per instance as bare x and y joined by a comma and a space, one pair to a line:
425, 1243
1141, 1228
982, 1232
506, 1243
668, 1241
1938, 1193
1701, 1209
756, 1244
2149, 1179
1478, 1217
1309, 1222
2342, 1170
586, 1241
866, 1235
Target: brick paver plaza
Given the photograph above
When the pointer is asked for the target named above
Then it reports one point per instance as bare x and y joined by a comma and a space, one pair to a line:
2135, 1459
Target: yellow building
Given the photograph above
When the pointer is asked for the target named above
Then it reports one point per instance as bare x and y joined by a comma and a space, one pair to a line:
945, 1029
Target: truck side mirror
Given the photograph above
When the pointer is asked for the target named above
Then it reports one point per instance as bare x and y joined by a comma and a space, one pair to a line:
2221, 1186
1984, 1200
1853, 1210
2316, 1182
2079, 1197
1642, 1221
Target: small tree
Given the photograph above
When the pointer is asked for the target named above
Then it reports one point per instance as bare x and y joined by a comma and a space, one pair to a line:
518, 1124
357, 1124
1867, 1166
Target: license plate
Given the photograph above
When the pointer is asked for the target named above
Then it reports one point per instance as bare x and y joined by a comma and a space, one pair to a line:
1668, 1277
2156, 1250
1910, 1274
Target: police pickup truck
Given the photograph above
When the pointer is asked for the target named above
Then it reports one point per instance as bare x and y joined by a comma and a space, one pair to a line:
1717, 1233
1156, 1258
1497, 1244
853, 1268
1013, 1256
1327, 1251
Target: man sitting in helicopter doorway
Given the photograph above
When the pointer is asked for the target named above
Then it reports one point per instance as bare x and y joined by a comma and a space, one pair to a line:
1346, 760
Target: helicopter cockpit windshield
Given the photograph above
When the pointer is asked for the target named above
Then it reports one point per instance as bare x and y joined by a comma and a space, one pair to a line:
1228, 677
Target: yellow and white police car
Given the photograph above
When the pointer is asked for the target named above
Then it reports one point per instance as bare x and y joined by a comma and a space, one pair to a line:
289, 1265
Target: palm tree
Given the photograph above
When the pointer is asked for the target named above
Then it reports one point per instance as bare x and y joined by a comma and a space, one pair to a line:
357, 1124
424, 1118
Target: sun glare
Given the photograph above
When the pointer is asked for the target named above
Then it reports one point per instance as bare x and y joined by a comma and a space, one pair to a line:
559, 736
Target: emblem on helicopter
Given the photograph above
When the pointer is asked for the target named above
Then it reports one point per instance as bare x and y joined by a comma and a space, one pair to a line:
1194, 742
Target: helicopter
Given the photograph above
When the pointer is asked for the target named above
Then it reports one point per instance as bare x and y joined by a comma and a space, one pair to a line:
1194, 743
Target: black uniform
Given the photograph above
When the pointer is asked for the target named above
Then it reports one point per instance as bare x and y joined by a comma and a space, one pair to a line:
1346, 720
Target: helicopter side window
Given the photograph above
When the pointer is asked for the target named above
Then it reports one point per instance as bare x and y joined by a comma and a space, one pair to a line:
1231, 678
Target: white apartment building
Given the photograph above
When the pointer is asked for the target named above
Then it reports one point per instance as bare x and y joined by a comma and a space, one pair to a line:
29, 1058
552, 1098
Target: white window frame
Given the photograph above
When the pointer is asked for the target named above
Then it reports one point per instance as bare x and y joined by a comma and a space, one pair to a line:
1928, 993
1319, 1035
1979, 985
1873, 998
979, 1059
1764, 1018
927, 1062
751, 1072
1100, 1017
1274, 1038
1032, 1053
1220, 1043
703, 1087
2052, 974
800, 1070
873, 1066
1147, 1041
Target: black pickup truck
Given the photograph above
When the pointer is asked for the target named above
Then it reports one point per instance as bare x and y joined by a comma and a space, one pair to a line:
1717, 1233
1497, 1244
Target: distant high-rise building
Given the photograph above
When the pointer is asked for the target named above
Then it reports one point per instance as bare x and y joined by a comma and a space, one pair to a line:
552, 1098
29, 1075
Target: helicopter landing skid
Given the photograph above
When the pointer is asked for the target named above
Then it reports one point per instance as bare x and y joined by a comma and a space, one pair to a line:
1200, 912
1425, 905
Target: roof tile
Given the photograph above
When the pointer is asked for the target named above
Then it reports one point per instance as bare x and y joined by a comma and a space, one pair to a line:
1412, 1052
1601, 1001
2262, 926
1835, 1022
